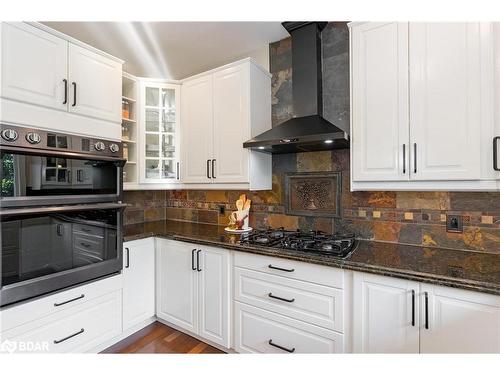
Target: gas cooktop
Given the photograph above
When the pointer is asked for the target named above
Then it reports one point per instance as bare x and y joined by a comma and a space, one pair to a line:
338, 245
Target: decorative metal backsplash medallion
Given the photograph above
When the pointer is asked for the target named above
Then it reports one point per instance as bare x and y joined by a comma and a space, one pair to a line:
313, 194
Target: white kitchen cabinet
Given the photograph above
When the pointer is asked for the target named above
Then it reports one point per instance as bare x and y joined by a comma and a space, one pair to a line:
94, 84
193, 289
197, 130
445, 100
33, 66
380, 101
459, 321
388, 318
385, 314
221, 109
52, 81
138, 282
422, 112
159, 138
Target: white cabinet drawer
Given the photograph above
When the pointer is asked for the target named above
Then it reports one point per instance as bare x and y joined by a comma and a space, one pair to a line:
314, 273
260, 331
77, 329
312, 303
24, 313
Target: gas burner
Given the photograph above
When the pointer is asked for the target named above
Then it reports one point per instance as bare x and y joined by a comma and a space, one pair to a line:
318, 242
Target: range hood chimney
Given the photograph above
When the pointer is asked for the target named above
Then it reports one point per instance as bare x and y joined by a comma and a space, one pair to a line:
307, 130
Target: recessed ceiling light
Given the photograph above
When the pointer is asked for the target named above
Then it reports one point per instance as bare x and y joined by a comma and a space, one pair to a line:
328, 140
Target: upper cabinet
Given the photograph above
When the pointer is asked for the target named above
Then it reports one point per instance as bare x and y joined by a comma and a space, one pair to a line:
159, 132
52, 81
221, 109
422, 106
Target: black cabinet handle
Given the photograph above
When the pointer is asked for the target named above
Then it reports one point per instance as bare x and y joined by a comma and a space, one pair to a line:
426, 310
59, 230
178, 174
127, 263
74, 94
213, 168
208, 168
404, 158
413, 308
414, 158
496, 140
281, 298
68, 301
281, 269
65, 91
198, 261
70, 336
85, 244
270, 342
192, 260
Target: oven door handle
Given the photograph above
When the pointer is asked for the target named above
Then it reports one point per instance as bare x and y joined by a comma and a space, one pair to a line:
77, 207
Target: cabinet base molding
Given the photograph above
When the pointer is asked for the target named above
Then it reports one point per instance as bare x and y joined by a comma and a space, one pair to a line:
478, 185
193, 186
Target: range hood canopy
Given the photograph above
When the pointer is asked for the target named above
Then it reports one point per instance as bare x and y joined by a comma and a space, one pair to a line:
307, 130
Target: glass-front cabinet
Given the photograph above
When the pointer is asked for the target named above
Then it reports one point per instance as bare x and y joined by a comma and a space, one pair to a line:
160, 132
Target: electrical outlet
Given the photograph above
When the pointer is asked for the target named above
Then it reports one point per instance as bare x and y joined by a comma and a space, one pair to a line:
222, 209
454, 224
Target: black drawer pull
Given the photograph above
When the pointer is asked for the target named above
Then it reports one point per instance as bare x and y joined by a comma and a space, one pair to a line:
85, 244
281, 269
496, 140
270, 342
70, 336
192, 260
68, 301
281, 298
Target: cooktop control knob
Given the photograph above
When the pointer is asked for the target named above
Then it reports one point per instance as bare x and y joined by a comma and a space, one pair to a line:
113, 147
33, 138
9, 135
99, 146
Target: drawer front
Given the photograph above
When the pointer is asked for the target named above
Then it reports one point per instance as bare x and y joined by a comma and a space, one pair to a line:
314, 273
89, 230
312, 303
78, 329
90, 244
24, 313
260, 331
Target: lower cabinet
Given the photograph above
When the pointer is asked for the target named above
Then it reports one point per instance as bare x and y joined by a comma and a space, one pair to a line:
193, 289
138, 282
392, 315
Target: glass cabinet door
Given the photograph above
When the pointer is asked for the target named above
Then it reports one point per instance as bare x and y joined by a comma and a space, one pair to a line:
160, 133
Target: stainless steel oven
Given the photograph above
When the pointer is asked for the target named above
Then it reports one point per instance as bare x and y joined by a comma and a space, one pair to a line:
61, 213
43, 167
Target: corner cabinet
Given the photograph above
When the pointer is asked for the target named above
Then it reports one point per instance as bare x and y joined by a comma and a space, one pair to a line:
159, 138
52, 81
399, 316
422, 115
193, 289
221, 109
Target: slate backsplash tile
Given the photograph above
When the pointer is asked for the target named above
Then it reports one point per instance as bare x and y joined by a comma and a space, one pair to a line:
383, 212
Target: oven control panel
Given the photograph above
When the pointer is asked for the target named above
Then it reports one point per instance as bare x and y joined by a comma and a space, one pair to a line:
46, 140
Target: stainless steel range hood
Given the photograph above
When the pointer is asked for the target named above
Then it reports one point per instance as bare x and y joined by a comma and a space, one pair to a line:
308, 130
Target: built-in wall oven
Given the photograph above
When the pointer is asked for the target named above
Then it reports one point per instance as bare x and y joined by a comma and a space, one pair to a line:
60, 211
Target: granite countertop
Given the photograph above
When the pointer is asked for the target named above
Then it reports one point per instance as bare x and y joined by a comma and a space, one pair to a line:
462, 269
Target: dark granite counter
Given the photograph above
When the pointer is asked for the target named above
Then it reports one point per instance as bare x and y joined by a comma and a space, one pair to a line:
462, 269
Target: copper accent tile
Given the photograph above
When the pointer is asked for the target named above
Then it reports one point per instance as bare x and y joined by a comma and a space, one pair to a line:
376, 214
487, 219
362, 213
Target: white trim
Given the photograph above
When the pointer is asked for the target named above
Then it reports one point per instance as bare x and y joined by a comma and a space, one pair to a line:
478, 185
72, 40
187, 186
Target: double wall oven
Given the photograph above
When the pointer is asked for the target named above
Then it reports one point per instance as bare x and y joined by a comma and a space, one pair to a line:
60, 210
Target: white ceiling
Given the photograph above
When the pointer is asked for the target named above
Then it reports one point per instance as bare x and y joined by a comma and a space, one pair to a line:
174, 50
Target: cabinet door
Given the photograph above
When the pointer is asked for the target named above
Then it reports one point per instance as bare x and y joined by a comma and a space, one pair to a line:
445, 96
197, 130
160, 137
385, 315
94, 85
214, 295
459, 321
177, 299
231, 124
379, 73
34, 65
138, 282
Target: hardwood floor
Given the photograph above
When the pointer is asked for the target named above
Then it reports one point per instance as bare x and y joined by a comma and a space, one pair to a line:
159, 338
